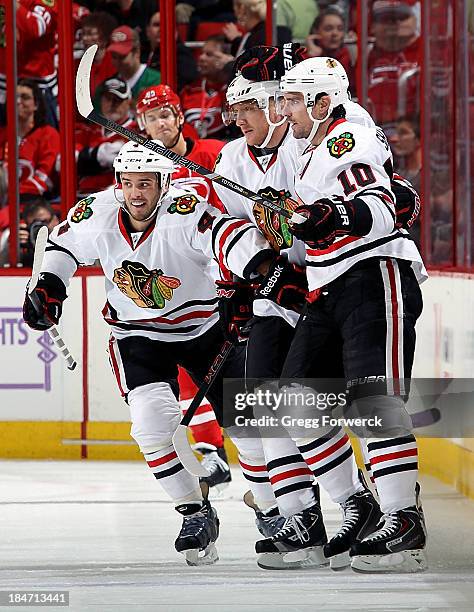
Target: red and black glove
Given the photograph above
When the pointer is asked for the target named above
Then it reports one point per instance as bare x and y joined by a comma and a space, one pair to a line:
285, 284
235, 309
263, 63
329, 218
407, 202
43, 307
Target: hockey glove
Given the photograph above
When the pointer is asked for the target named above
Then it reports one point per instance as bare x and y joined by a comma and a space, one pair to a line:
285, 284
235, 309
407, 202
262, 63
42, 309
330, 218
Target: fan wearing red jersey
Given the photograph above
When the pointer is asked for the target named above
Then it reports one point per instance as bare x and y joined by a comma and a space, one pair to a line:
36, 27
159, 114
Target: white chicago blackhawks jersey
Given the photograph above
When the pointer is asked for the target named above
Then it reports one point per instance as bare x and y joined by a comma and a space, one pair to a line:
349, 162
269, 176
159, 283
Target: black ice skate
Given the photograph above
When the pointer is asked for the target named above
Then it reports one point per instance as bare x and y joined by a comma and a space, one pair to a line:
361, 516
199, 531
268, 522
299, 543
397, 546
215, 461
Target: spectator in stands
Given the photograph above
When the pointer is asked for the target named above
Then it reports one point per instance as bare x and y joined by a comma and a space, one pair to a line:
125, 51
297, 16
202, 101
393, 61
96, 29
406, 148
251, 15
134, 13
36, 27
98, 147
39, 143
326, 39
185, 62
37, 213
159, 113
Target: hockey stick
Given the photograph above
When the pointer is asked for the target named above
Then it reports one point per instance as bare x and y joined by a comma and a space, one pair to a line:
180, 437
40, 248
86, 109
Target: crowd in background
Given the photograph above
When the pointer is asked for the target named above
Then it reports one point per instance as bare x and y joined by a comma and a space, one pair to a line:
210, 34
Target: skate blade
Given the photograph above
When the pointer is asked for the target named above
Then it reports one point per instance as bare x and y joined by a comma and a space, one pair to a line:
201, 557
340, 561
299, 559
406, 561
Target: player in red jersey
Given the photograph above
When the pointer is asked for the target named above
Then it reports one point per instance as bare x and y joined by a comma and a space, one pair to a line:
159, 114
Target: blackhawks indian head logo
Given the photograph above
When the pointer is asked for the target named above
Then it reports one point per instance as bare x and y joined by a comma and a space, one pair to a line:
341, 144
147, 288
273, 225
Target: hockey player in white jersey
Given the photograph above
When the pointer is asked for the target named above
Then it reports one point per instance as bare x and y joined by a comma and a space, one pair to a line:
157, 247
254, 160
364, 299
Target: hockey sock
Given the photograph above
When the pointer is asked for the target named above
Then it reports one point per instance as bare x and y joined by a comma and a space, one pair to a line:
331, 459
256, 474
290, 477
178, 483
394, 464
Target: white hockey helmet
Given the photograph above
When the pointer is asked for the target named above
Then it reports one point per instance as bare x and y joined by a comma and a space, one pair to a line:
315, 76
261, 92
134, 157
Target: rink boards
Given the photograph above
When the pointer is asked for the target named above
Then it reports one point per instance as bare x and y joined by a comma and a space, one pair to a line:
48, 411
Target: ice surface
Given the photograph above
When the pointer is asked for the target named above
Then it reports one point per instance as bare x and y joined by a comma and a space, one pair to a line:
105, 531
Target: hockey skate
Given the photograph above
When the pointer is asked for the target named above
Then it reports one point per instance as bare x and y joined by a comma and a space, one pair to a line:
199, 531
397, 546
268, 522
361, 516
215, 461
298, 544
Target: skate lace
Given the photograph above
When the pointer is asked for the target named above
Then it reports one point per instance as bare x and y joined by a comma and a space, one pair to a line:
293, 525
351, 516
213, 463
390, 527
191, 522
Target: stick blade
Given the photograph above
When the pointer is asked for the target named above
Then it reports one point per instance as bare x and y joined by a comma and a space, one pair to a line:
185, 452
83, 96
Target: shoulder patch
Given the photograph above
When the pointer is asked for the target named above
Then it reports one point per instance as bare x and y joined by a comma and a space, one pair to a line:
183, 205
341, 144
82, 210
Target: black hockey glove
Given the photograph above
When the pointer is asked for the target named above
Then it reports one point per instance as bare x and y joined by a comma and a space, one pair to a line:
407, 202
235, 309
262, 63
285, 284
42, 309
329, 218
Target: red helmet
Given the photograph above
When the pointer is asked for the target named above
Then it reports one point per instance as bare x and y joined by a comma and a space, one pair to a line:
156, 97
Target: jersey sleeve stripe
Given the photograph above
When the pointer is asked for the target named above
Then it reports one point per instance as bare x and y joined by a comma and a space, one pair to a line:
52, 246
